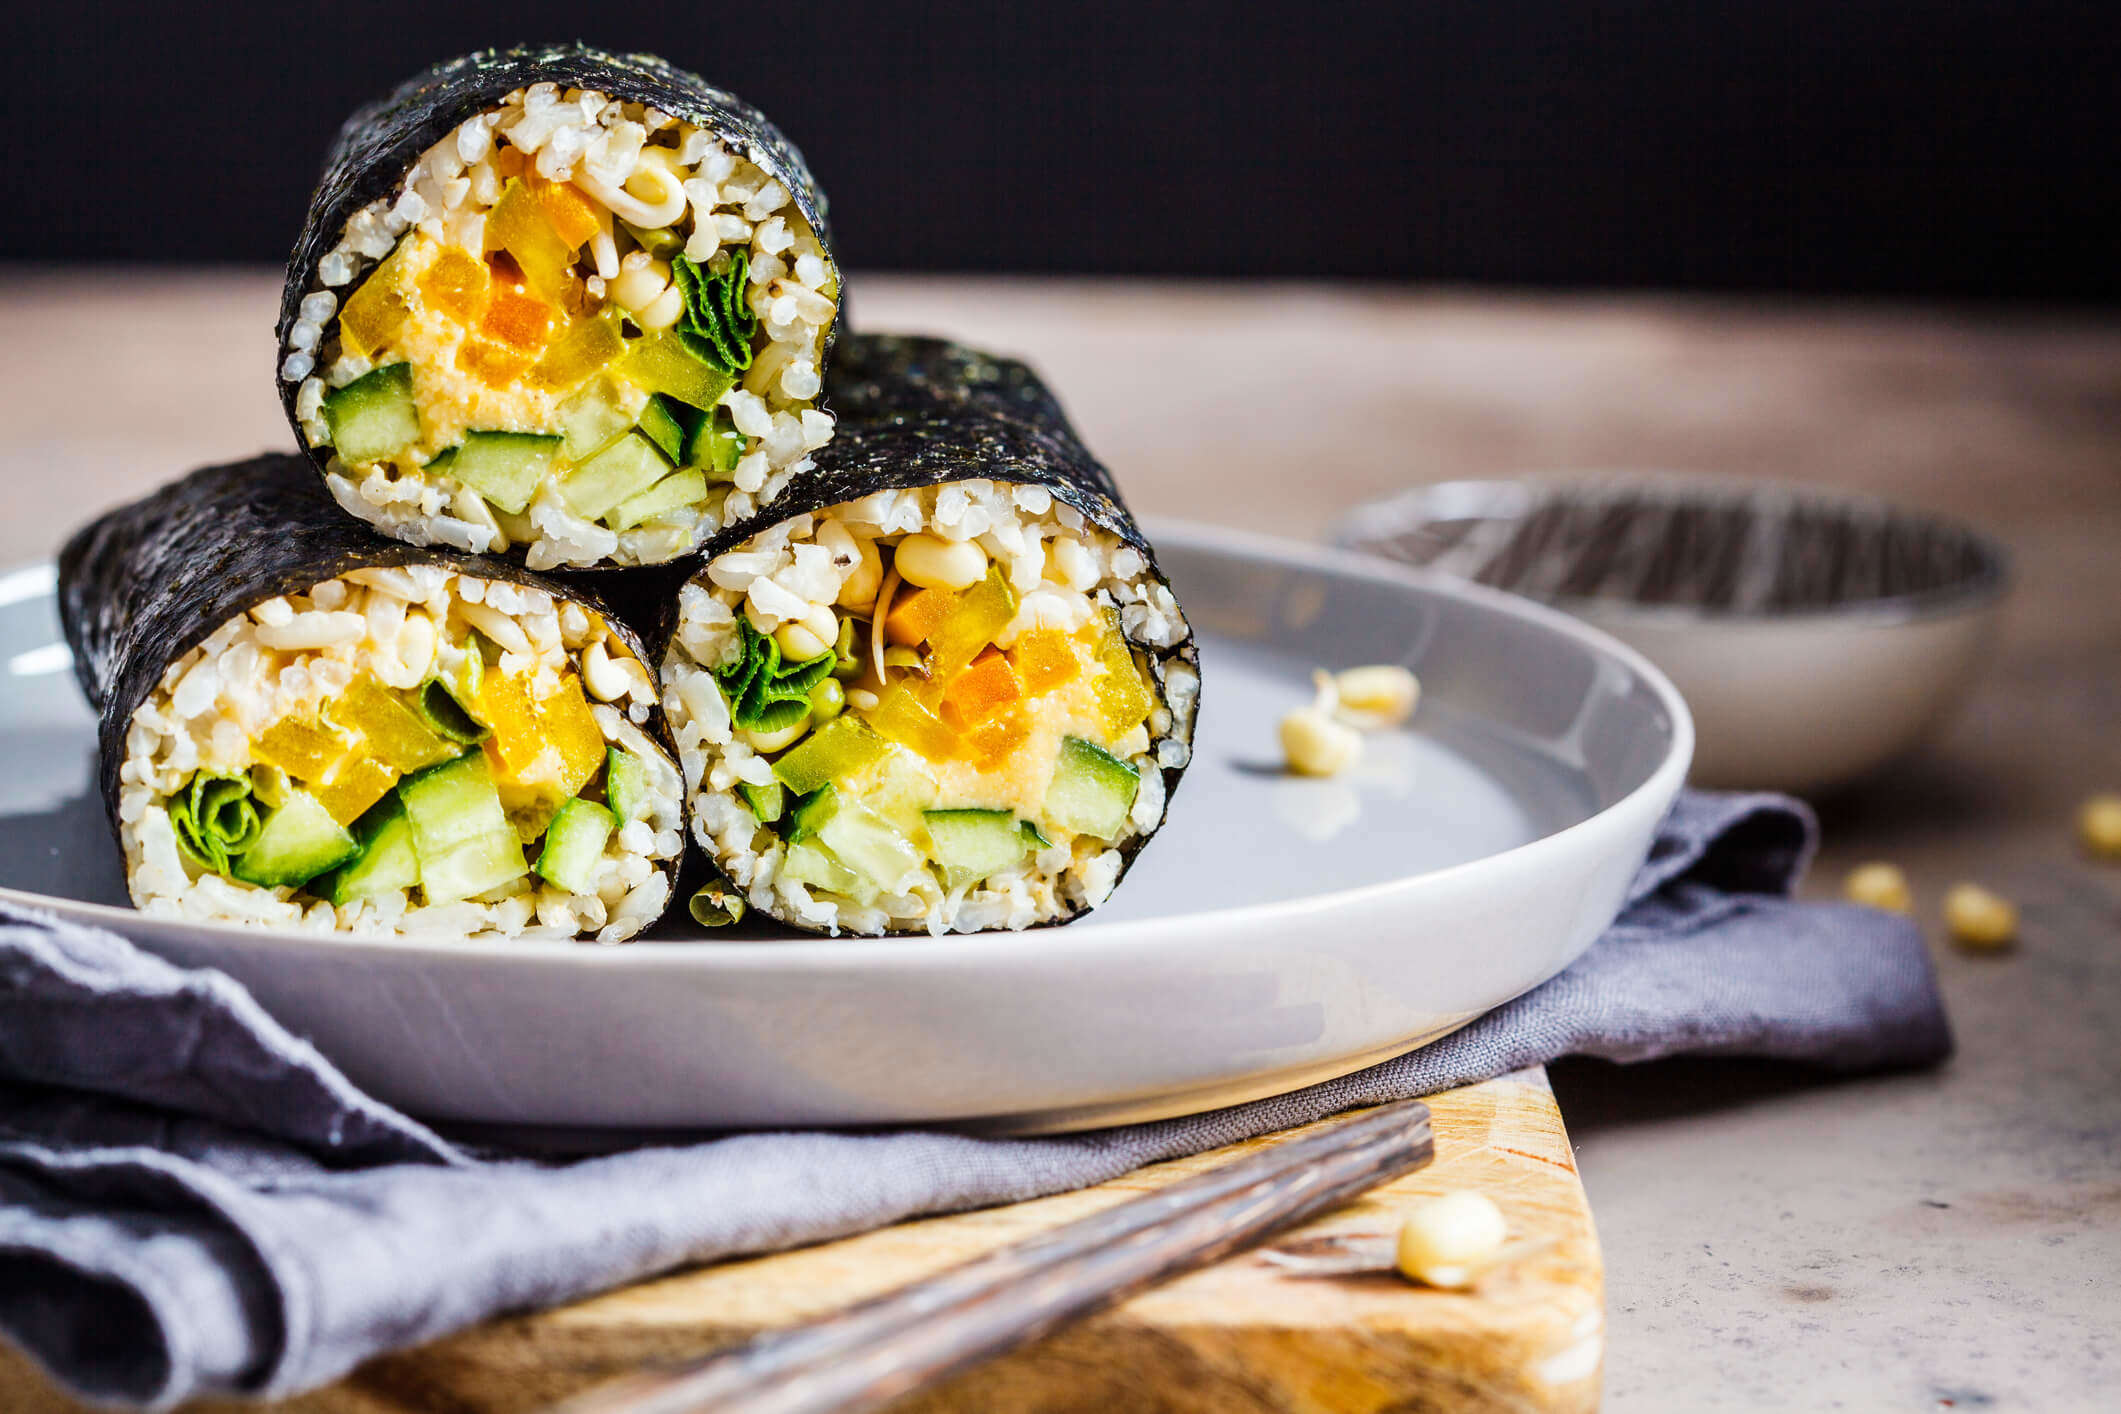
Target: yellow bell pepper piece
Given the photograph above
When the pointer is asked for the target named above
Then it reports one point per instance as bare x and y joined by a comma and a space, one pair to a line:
373, 314
393, 732
582, 348
901, 717
303, 749
1046, 658
980, 612
518, 225
553, 744
353, 785
456, 285
1121, 697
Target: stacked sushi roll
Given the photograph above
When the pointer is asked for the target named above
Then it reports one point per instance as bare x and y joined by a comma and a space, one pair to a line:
912, 667
561, 303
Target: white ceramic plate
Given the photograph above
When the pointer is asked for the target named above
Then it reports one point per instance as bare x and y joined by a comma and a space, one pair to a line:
1277, 932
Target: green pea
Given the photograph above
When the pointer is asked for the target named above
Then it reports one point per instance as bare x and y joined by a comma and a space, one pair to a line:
827, 700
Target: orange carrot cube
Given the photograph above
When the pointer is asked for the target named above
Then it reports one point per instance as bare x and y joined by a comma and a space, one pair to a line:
981, 690
572, 216
517, 318
915, 617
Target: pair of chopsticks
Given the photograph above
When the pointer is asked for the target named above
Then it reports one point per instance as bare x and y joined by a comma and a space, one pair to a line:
910, 1338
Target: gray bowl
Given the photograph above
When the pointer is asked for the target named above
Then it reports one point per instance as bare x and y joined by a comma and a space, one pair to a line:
1816, 634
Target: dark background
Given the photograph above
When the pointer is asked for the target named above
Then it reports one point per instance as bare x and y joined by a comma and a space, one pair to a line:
1955, 148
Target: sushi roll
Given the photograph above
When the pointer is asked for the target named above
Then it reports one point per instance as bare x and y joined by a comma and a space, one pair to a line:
563, 304
944, 689
308, 726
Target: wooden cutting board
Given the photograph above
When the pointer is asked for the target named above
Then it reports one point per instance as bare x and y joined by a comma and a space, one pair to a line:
1239, 1336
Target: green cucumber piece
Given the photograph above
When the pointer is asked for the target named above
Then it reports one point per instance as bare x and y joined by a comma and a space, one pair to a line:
574, 842
812, 812
592, 420
505, 467
811, 863
713, 444
971, 844
374, 416
622, 470
387, 863
300, 841
765, 801
459, 830
440, 463
717, 905
1092, 790
868, 846
659, 424
625, 784
672, 493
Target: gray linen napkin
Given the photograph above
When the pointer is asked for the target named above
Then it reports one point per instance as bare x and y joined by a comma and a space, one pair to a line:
193, 1201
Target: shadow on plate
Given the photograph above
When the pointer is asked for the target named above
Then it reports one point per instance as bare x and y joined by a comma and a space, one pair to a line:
66, 851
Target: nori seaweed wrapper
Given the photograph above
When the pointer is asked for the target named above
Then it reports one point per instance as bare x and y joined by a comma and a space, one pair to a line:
916, 411
150, 581
380, 142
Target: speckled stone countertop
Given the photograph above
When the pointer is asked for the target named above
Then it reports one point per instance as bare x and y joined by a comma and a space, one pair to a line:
1942, 1240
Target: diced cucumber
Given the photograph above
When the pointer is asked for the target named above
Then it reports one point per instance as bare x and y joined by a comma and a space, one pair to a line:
593, 419
624, 469
659, 424
1034, 838
1092, 790
440, 463
971, 844
386, 863
672, 493
505, 467
812, 813
811, 863
459, 830
868, 846
766, 801
574, 842
625, 784
374, 416
713, 444
300, 841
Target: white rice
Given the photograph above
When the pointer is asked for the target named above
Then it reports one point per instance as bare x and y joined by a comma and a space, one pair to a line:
599, 145
287, 655
779, 573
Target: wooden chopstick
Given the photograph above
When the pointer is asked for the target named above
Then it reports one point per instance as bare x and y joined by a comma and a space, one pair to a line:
903, 1340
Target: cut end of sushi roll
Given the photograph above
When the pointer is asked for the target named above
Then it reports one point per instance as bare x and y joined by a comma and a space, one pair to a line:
941, 708
579, 327
410, 749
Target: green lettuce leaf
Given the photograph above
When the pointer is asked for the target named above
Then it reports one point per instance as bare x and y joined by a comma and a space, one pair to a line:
765, 695
216, 818
718, 322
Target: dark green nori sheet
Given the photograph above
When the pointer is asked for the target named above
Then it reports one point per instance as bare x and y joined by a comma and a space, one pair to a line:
152, 580
380, 142
916, 411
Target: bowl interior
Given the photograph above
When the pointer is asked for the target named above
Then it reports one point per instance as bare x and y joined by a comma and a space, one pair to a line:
1709, 546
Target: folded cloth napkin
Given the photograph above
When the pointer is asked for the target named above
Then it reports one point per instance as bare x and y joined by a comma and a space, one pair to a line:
193, 1201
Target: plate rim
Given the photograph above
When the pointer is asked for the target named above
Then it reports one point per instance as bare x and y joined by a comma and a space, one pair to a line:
1086, 935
